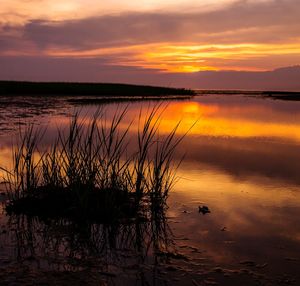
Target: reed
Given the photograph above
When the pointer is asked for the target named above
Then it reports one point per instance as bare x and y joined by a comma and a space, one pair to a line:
88, 173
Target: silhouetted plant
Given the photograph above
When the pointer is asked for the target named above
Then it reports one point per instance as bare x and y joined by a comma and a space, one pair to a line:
88, 173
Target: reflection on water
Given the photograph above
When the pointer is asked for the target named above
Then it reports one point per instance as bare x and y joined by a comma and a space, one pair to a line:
242, 159
116, 252
21, 110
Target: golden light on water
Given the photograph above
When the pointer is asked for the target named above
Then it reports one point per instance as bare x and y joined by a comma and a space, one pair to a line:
207, 119
215, 120
212, 120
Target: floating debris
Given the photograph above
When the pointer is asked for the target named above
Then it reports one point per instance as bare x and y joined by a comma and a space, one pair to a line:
204, 210
248, 263
172, 255
291, 259
195, 282
261, 265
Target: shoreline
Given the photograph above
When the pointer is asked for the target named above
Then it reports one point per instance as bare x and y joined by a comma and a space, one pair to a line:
99, 93
87, 89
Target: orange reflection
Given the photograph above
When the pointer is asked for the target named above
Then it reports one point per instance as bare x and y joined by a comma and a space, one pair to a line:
212, 120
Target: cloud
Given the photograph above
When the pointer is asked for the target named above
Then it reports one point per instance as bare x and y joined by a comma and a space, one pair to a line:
244, 21
43, 68
100, 70
246, 35
20, 11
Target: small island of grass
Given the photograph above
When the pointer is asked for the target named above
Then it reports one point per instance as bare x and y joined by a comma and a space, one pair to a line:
87, 173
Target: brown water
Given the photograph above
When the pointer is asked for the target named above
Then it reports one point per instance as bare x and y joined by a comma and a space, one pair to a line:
242, 160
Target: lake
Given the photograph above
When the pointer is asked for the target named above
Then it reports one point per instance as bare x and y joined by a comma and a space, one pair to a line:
241, 159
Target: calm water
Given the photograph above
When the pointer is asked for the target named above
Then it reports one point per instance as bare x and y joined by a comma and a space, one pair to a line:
242, 160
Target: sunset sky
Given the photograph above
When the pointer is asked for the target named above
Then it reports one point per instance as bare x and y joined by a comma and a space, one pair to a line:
112, 39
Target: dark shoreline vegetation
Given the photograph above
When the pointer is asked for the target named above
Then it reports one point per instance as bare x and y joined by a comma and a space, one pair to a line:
293, 96
87, 175
280, 95
118, 99
90, 89
101, 93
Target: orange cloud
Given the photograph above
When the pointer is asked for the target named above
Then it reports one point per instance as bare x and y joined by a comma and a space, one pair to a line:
169, 57
243, 36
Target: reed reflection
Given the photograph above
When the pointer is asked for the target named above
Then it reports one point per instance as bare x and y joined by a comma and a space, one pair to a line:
139, 250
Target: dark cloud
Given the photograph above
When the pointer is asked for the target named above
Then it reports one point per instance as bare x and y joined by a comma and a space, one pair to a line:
243, 22
97, 69
273, 21
281, 79
71, 69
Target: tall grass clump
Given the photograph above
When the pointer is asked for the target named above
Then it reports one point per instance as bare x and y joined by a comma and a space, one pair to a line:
90, 173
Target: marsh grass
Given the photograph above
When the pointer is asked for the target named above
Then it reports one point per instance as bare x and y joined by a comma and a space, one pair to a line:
88, 172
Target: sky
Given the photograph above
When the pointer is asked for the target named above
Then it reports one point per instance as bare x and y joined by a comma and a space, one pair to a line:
139, 41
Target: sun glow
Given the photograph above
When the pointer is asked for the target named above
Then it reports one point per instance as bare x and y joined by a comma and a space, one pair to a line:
186, 58
192, 57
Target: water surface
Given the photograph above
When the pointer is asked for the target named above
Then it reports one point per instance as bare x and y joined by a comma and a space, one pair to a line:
242, 160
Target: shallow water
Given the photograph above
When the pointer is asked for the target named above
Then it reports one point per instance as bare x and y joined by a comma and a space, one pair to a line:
242, 160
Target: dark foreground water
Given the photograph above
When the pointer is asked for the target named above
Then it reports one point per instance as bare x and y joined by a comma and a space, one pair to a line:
242, 160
